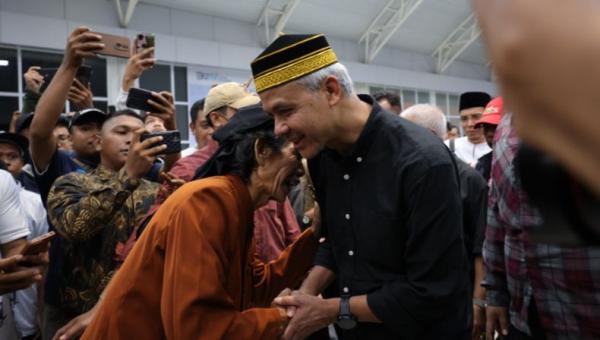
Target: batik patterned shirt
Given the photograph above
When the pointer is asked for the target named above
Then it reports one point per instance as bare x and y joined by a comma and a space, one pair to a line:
93, 212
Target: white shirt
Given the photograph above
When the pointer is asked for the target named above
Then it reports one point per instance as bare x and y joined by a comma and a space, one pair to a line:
25, 306
12, 227
12, 220
467, 151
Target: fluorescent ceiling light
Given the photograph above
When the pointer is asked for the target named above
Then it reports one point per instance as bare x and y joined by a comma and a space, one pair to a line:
3, 62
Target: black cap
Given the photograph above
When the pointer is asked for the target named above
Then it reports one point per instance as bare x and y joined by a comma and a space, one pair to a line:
289, 57
24, 121
473, 99
88, 115
15, 139
63, 120
248, 119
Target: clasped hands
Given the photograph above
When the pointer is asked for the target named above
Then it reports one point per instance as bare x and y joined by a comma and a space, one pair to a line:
306, 313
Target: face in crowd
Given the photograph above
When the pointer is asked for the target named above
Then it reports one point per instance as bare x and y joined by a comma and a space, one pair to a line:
63, 138
154, 124
84, 138
305, 117
115, 139
11, 155
278, 171
201, 130
468, 119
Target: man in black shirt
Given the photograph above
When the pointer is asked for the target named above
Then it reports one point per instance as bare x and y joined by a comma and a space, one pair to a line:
389, 199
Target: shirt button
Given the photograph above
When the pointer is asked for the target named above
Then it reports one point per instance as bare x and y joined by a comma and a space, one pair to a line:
358, 159
346, 177
347, 216
351, 252
346, 290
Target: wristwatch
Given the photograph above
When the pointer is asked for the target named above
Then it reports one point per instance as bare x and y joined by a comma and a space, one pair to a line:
345, 319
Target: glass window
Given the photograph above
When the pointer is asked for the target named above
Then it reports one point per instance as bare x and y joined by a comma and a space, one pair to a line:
7, 106
42, 59
181, 94
374, 89
101, 104
9, 79
453, 104
98, 79
408, 97
440, 101
182, 121
157, 78
423, 97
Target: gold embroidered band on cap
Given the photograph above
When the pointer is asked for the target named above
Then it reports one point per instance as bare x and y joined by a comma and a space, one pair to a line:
295, 70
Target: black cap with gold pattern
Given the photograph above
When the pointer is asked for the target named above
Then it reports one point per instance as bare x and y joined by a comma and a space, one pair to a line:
289, 57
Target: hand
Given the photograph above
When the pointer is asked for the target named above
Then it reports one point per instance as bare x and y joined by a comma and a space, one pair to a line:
136, 65
82, 43
312, 313
33, 79
13, 277
77, 326
165, 108
496, 320
315, 216
172, 183
81, 96
142, 155
478, 322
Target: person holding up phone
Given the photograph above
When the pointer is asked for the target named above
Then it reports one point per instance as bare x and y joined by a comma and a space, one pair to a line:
95, 211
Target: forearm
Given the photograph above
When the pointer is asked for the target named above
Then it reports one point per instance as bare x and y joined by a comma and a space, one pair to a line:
318, 279
51, 103
30, 101
478, 290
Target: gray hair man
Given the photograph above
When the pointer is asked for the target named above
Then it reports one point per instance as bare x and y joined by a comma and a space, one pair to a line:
473, 192
387, 191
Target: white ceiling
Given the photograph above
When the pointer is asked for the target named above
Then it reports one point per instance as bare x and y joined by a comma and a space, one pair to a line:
422, 32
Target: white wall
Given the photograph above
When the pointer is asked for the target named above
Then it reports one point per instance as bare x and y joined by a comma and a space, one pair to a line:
190, 38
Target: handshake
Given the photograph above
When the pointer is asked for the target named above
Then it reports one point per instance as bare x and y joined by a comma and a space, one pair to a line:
305, 313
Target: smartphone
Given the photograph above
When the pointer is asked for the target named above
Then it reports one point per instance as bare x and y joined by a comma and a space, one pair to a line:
84, 75
138, 99
171, 138
115, 45
143, 41
38, 244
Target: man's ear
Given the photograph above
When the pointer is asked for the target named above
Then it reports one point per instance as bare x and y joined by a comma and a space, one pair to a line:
261, 151
214, 118
97, 138
333, 89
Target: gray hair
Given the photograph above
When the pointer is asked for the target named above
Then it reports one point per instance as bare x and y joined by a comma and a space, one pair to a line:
312, 82
428, 116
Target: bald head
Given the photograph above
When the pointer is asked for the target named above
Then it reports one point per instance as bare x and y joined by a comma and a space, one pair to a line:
428, 116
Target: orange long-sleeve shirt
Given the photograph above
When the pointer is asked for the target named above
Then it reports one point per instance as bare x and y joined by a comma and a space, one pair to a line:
193, 273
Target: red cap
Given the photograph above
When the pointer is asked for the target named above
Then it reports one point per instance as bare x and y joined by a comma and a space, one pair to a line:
493, 112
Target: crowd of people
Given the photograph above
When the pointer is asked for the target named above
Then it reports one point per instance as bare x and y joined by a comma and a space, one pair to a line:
305, 210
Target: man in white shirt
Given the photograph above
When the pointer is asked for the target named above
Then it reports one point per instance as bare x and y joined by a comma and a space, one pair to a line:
13, 231
473, 145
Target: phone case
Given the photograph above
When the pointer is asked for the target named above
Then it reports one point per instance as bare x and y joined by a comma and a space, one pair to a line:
116, 46
171, 138
138, 99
